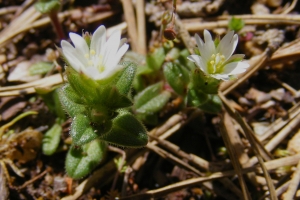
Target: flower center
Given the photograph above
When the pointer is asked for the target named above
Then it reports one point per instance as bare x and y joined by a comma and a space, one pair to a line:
95, 60
215, 65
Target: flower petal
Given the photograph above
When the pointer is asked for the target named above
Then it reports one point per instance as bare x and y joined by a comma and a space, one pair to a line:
111, 46
108, 73
79, 43
72, 57
198, 61
235, 58
113, 62
228, 44
235, 68
209, 47
92, 72
98, 39
224, 77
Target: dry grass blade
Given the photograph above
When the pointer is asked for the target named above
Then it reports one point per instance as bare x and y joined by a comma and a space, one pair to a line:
250, 136
270, 165
232, 153
290, 193
172, 158
227, 87
130, 19
141, 27
281, 122
279, 190
198, 162
198, 24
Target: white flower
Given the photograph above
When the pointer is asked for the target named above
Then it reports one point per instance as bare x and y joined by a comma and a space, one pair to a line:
101, 59
218, 61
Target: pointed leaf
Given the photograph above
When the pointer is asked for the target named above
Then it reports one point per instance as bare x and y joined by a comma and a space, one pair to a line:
125, 81
82, 160
147, 94
207, 84
81, 130
127, 131
71, 108
51, 139
47, 6
156, 59
40, 68
212, 105
155, 104
177, 77
111, 98
196, 97
70, 93
83, 85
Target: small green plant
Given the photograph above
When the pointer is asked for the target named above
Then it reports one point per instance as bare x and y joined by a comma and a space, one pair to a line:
97, 97
236, 24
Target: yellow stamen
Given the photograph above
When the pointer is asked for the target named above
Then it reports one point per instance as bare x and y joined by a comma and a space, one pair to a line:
101, 68
87, 56
212, 62
92, 52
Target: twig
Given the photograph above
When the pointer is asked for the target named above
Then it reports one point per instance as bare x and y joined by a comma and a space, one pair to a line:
184, 34
196, 161
130, 19
141, 27
172, 158
34, 179
281, 122
290, 8
290, 193
270, 165
123, 154
236, 165
198, 24
279, 190
9, 9
254, 145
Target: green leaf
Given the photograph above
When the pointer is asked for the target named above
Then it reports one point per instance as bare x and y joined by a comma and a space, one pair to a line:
83, 132
212, 105
147, 94
51, 139
126, 131
149, 119
172, 55
236, 24
82, 160
185, 62
47, 6
206, 83
51, 98
40, 68
83, 85
196, 97
155, 104
110, 97
156, 59
72, 95
177, 77
125, 81
70, 107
